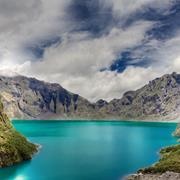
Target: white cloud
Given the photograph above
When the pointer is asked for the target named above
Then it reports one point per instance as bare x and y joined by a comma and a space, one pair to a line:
85, 56
125, 8
75, 63
109, 85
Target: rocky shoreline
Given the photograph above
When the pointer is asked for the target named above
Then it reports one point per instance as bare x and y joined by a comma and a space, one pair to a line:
176, 133
165, 176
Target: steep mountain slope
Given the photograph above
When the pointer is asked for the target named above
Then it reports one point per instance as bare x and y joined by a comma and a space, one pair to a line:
14, 147
29, 98
160, 99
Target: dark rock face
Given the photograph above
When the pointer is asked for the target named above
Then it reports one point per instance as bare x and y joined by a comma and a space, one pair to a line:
101, 103
29, 98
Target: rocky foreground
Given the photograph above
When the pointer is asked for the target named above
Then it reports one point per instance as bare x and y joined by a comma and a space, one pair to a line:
29, 98
165, 176
14, 147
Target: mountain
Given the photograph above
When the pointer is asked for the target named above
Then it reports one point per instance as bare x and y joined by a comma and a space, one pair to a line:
14, 147
158, 100
29, 98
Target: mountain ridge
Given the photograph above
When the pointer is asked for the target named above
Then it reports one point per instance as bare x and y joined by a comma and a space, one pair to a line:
29, 98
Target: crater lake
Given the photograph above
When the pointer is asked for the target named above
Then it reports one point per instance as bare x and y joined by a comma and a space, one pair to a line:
89, 150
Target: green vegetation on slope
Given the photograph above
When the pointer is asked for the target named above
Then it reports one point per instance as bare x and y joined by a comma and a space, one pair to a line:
169, 161
14, 147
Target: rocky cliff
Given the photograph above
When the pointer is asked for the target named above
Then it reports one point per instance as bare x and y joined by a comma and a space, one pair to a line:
14, 147
29, 98
158, 100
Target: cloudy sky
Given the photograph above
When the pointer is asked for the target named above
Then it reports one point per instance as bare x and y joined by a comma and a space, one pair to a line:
96, 48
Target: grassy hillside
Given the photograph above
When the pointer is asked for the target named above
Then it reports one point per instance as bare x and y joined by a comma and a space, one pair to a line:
14, 147
169, 161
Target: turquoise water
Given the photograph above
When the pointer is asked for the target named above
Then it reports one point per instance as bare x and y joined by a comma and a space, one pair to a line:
89, 150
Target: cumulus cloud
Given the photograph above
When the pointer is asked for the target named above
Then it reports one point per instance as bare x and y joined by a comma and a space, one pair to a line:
90, 36
81, 55
76, 62
109, 85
